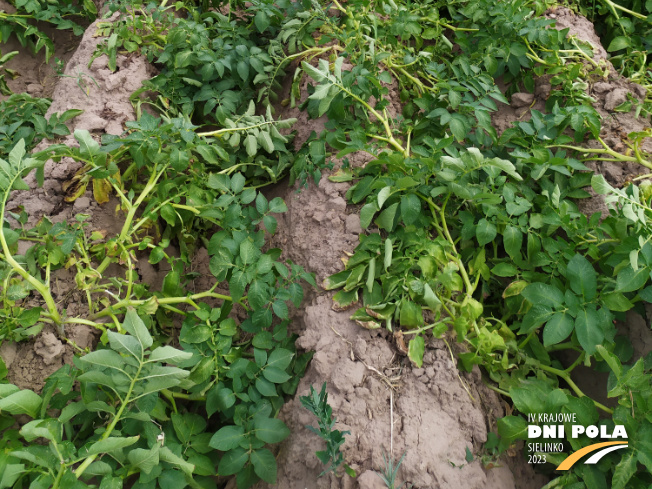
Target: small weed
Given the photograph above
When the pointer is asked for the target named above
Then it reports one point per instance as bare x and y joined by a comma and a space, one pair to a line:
59, 66
318, 405
83, 85
389, 473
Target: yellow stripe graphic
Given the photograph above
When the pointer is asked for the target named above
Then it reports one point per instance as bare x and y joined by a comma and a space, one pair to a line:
571, 459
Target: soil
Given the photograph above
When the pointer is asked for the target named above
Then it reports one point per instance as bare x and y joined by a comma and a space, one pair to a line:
432, 415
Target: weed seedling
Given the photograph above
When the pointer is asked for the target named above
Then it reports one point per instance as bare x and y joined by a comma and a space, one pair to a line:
83, 85
389, 473
318, 405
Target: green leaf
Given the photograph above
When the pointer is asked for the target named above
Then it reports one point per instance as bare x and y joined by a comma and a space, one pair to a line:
410, 208
262, 21
383, 195
233, 461
458, 128
144, 459
512, 241
630, 280
589, 333
171, 479
616, 302
265, 141
505, 166
543, 294
618, 43
251, 145
270, 224
386, 218
485, 232
504, 270
70, 411
296, 294
558, 328
135, 327
168, 354
535, 317
646, 293
243, 70
10, 474
238, 182
624, 471
270, 430
99, 468
387, 261
125, 344
21, 402
104, 358
367, 213
313, 72
109, 482
248, 252
512, 428
276, 375
469, 455
277, 206
7, 389
227, 438
411, 315
280, 358
87, 144
111, 444
265, 387
258, 295
531, 397
219, 398
187, 425
281, 309
430, 298
611, 359
40, 428
264, 465
634, 379
600, 185
582, 277
416, 349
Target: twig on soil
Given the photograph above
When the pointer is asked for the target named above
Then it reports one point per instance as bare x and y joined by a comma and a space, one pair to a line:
354, 357
391, 423
466, 388
385, 379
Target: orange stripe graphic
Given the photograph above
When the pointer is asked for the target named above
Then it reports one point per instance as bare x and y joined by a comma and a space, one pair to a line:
571, 459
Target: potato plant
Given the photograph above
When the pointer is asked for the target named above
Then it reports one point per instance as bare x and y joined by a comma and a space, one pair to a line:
467, 233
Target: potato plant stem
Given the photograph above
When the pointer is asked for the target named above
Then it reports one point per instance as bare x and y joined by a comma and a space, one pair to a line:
190, 300
455, 257
565, 375
390, 136
425, 328
227, 130
89, 460
42, 288
57, 481
606, 150
133, 207
614, 6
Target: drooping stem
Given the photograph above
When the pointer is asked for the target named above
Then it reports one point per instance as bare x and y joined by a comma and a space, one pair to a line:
565, 375
42, 289
190, 300
133, 207
91, 458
